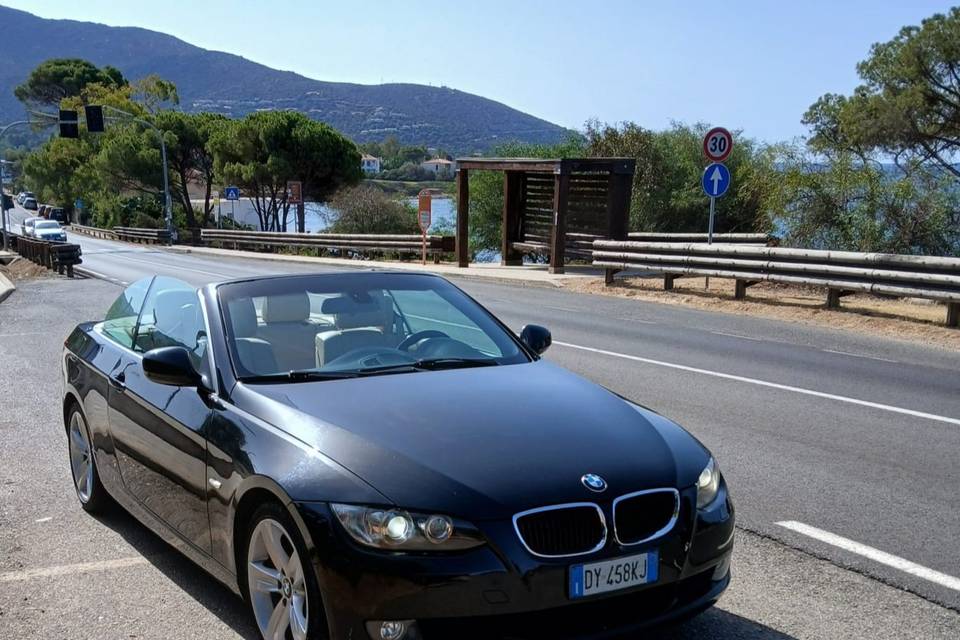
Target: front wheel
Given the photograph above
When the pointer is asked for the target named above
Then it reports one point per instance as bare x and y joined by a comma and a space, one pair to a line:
86, 479
281, 587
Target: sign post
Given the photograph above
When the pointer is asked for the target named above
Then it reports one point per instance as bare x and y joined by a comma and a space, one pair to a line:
424, 215
232, 194
295, 196
717, 145
715, 182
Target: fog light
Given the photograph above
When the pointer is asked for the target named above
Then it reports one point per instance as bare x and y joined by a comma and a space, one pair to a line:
397, 529
438, 529
392, 630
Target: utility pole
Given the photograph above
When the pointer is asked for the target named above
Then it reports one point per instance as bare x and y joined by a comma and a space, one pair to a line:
167, 206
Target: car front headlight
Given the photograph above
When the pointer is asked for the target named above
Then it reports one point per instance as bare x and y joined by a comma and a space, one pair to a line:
708, 484
401, 530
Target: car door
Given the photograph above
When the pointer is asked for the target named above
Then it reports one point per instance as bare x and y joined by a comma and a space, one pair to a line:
158, 430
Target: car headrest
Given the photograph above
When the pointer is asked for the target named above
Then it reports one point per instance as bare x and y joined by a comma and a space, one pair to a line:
289, 307
243, 317
372, 310
172, 308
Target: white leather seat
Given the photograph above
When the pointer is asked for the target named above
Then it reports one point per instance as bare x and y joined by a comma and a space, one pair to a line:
255, 354
289, 330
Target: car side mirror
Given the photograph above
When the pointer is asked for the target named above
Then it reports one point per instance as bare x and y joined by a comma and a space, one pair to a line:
536, 337
171, 366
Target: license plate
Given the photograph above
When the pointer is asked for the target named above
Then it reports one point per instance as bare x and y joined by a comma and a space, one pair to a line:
613, 575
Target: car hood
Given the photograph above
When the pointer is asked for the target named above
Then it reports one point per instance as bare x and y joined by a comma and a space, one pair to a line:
481, 442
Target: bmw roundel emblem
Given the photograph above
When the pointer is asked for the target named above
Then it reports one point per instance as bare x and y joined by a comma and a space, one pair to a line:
594, 482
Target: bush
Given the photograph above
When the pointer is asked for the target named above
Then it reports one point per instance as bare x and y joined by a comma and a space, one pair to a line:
366, 209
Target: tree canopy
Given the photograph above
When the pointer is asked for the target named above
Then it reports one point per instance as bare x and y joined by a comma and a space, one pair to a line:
59, 78
908, 105
263, 151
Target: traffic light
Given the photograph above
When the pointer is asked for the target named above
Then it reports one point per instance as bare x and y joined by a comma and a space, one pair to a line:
94, 115
69, 127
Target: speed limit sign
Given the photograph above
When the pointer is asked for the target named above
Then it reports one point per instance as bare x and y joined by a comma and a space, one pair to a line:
717, 144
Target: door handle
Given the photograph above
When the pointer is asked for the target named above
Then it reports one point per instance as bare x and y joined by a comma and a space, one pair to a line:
119, 381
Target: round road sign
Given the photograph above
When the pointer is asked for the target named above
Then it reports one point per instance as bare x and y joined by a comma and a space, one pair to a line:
717, 144
715, 180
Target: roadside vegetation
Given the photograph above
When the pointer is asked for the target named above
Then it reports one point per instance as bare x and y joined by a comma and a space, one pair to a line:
876, 172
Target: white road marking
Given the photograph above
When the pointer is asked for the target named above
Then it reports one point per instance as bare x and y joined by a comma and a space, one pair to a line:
173, 266
101, 276
858, 355
71, 569
564, 309
24, 333
764, 383
876, 555
47, 519
737, 335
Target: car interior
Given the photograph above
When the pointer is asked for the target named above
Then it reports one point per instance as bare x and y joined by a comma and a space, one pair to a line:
288, 333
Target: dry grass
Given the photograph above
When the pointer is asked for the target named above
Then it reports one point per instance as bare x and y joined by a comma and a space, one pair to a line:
21, 269
906, 319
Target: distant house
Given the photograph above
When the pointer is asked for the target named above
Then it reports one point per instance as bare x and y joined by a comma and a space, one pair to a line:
440, 167
370, 164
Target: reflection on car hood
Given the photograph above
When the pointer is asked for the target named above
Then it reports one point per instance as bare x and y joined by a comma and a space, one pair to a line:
483, 442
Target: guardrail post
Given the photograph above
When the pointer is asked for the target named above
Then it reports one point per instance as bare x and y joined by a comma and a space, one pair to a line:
668, 281
608, 276
740, 288
833, 298
953, 314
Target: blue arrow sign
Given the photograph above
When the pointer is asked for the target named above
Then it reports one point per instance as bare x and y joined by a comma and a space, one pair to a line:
715, 180
231, 193
78, 203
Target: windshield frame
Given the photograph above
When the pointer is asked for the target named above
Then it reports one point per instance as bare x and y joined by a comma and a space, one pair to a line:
256, 287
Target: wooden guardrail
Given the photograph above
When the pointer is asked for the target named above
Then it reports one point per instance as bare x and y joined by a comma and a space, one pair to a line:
96, 232
387, 243
840, 272
138, 234
58, 256
760, 239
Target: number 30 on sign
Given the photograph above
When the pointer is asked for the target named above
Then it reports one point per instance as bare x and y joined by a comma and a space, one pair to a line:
717, 144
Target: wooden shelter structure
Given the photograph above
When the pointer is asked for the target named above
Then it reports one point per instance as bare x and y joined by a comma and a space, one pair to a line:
553, 206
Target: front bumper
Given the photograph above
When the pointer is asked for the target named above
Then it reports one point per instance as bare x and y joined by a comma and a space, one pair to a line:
501, 589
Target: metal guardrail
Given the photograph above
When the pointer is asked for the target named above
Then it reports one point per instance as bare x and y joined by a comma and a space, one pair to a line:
387, 243
96, 232
840, 272
137, 234
58, 256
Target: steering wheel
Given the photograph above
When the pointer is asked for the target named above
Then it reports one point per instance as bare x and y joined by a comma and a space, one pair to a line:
414, 338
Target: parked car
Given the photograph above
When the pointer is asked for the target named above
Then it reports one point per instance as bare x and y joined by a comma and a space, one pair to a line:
375, 455
23, 196
58, 214
30, 204
26, 227
49, 230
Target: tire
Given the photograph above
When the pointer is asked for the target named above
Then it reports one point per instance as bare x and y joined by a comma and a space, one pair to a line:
284, 601
83, 465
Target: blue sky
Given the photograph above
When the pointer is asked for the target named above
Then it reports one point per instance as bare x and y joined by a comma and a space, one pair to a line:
748, 65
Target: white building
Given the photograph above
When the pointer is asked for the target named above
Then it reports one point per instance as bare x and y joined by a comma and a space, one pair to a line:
440, 167
370, 164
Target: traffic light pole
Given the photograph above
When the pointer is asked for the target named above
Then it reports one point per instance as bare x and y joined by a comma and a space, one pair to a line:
3, 198
167, 206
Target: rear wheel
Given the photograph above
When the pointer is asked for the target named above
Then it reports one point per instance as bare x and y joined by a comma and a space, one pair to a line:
86, 479
280, 584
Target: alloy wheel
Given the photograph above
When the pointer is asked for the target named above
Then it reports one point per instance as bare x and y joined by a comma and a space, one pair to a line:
275, 581
81, 457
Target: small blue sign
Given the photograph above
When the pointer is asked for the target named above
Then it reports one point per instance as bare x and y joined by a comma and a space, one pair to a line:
231, 193
78, 204
715, 180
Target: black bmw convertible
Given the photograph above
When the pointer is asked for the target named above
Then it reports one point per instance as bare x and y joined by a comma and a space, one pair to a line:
374, 455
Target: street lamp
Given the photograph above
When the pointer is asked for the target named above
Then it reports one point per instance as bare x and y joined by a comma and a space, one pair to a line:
167, 207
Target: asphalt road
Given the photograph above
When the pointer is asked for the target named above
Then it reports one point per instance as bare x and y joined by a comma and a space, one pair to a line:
854, 436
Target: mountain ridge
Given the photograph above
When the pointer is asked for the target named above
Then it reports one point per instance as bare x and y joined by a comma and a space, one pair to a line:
207, 81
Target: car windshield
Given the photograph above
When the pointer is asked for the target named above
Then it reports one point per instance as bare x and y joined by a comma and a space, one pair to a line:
47, 224
346, 325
